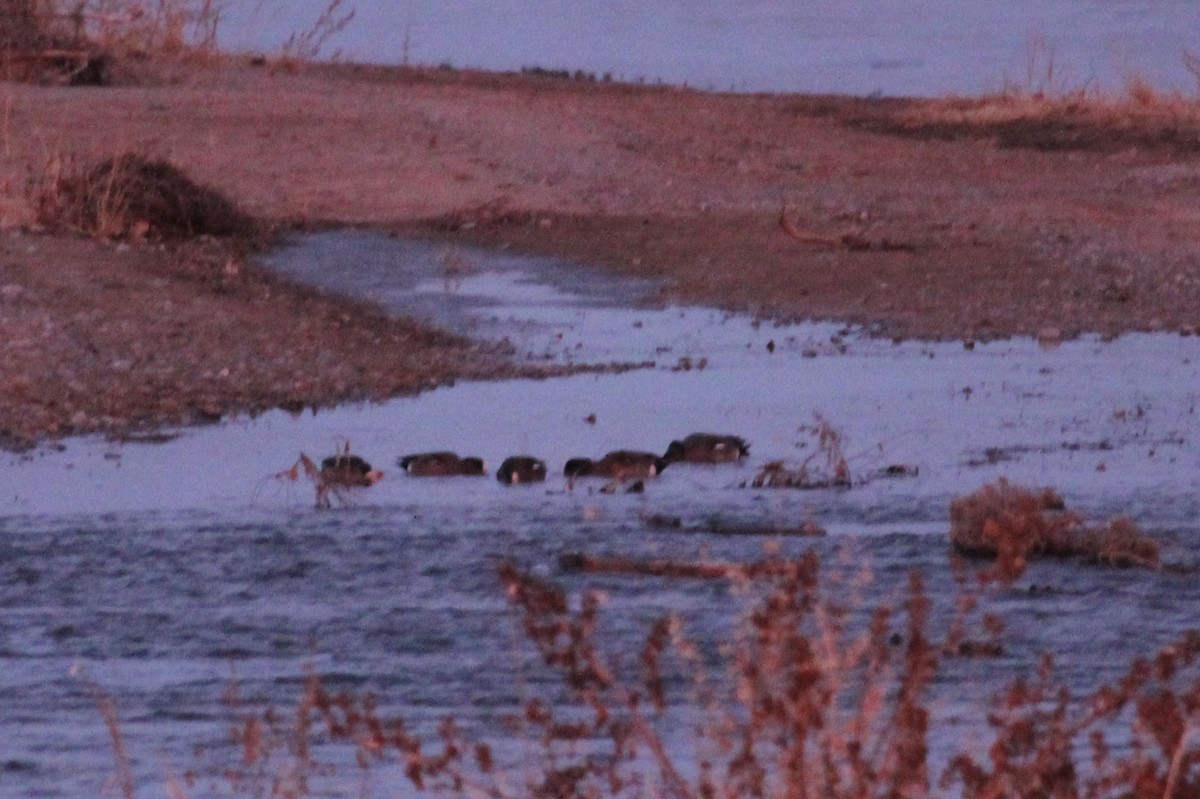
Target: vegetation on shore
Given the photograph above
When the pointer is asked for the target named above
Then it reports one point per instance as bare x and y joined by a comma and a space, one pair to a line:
1045, 111
75, 41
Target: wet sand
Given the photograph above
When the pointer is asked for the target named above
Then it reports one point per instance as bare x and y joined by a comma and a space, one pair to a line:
784, 206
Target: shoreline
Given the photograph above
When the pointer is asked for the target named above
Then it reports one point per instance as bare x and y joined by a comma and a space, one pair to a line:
950, 219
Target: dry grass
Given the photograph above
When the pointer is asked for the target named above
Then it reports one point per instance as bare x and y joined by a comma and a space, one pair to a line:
134, 199
1144, 118
1051, 111
307, 45
825, 467
822, 697
76, 41
1012, 524
816, 706
820, 701
1048, 743
47, 40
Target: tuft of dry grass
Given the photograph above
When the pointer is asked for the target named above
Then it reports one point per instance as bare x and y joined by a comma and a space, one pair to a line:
307, 45
1051, 111
133, 198
76, 40
825, 467
1012, 523
1083, 119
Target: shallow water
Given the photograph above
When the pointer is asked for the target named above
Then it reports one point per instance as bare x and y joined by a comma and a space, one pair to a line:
164, 571
892, 47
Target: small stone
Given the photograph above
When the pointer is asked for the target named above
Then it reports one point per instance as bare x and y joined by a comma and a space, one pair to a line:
1049, 336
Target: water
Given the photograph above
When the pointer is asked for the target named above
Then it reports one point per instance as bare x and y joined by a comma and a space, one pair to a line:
165, 572
893, 47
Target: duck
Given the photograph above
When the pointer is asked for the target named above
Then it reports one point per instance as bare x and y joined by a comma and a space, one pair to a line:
621, 464
442, 464
348, 471
521, 469
707, 448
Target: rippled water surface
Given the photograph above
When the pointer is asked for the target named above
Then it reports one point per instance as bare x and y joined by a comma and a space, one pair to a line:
164, 572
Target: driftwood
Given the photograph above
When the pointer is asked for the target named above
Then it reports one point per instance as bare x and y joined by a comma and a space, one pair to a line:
855, 241
704, 570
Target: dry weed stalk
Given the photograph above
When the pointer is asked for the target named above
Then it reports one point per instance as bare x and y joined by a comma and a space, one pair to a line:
1012, 524
334, 478
276, 750
114, 28
821, 705
1042, 734
455, 267
108, 711
825, 467
818, 705
307, 45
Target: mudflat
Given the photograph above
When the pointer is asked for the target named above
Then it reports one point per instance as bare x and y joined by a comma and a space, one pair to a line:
938, 219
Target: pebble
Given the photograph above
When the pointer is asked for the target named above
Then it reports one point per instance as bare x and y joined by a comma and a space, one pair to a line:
1049, 335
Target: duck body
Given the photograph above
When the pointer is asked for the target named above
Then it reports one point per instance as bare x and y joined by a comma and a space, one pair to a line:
621, 464
707, 448
521, 469
349, 471
442, 464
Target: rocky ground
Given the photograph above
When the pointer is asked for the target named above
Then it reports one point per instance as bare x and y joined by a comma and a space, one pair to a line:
911, 217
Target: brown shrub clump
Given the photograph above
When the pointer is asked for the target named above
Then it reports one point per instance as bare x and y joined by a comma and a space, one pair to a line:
1012, 524
819, 700
134, 198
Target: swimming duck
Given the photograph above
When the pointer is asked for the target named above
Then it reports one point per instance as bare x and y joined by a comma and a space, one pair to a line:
621, 464
441, 464
707, 448
348, 471
521, 469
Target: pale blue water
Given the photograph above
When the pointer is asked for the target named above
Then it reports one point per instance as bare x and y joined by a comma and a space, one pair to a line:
893, 47
166, 572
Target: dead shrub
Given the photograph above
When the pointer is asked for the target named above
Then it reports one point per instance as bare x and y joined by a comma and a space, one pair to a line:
1011, 524
133, 198
822, 697
116, 28
825, 467
1120, 542
820, 701
29, 26
1049, 743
